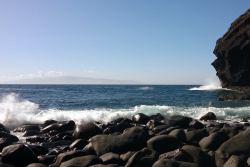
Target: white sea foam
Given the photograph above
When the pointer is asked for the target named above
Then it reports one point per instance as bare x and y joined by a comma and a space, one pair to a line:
208, 88
146, 88
15, 112
211, 84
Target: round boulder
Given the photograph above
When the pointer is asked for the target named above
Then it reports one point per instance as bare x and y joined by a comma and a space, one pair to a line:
86, 131
19, 155
164, 143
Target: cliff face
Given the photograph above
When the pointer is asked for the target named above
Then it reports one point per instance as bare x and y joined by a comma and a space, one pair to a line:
233, 54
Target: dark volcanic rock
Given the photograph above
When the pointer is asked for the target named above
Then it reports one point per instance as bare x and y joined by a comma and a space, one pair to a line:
164, 143
4, 142
19, 155
179, 120
178, 155
232, 52
173, 163
214, 140
199, 157
208, 116
69, 155
9, 136
83, 161
86, 131
143, 158
140, 118
238, 144
110, 158
132, 139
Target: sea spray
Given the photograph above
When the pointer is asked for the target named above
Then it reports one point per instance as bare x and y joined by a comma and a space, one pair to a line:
16, 112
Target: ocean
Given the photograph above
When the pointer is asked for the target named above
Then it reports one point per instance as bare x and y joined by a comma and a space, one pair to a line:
21, 104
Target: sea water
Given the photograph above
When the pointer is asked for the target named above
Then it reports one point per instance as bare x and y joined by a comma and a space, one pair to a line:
20, 104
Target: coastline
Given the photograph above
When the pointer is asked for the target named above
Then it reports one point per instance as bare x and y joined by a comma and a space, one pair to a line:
140, 141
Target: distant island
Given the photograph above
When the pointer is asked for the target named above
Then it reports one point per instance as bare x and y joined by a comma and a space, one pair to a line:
71, 80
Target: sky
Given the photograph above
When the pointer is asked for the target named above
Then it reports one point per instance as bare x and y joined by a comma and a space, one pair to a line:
153, 42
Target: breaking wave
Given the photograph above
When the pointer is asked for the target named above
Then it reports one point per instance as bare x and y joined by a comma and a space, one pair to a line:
15, 112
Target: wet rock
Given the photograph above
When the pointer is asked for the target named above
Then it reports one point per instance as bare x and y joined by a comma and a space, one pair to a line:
230, 131
208, 116
213, 141
143, 158
164, 143
153, 123
86, 131
24, 128
47, 123
196, 124
69, 155
70, 125
120, 127
125, 157
32, 133
239, 144
83, 161
57, 143
199, 157
178, 155
179, 120
111, 158
180, 134
140, 118
173, 163
156, 117
101, 165
38, 150
236, 161
160, 128
9, 136
78, 144
132, 139
4, 128
194, 136
4, 142
19, 155
37, 165
46, 159
168, 130
36, 139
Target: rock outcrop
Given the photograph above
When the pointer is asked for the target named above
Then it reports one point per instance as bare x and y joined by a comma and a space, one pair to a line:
233, 54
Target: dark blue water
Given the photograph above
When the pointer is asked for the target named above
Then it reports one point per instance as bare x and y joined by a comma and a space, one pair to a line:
105, 102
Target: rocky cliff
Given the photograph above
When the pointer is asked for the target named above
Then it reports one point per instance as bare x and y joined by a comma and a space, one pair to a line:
233, 54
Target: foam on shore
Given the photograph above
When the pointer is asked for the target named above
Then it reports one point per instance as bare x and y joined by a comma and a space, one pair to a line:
15, 112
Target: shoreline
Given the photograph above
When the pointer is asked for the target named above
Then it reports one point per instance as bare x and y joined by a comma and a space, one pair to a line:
140, 141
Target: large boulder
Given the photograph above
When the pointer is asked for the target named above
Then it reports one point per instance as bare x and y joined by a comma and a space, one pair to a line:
60, 127
173, 163
86, 131
19, 155
178, 155
213, 141
143, 158
239, 144
232, 52
164, 143
179, 120
199, 157
69, 155
132, 139
140, 118
83, 161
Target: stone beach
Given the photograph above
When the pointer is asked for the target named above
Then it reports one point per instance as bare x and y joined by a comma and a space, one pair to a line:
142, 141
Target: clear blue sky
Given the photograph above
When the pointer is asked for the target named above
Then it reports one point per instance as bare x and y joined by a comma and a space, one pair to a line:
154, 42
